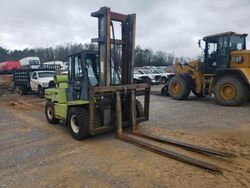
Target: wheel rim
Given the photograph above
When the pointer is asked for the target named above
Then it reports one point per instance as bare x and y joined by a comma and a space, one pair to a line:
74, 124
176, 87
227, 91
50, 112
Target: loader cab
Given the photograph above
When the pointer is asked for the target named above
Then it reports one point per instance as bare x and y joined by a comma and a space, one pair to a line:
218, 48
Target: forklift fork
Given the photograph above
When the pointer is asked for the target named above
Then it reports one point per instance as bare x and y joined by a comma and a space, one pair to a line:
162, 151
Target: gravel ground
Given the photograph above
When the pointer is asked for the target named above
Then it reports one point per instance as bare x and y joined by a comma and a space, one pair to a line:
36, 154
195, 113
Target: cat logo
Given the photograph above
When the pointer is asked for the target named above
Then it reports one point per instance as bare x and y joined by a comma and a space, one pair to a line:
237, 59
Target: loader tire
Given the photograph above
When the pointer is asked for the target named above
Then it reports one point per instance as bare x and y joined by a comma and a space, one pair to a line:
178, 88
50, 113
139, 109
78, 123
230, 91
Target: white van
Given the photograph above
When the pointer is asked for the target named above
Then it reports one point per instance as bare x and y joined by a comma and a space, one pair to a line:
30, 62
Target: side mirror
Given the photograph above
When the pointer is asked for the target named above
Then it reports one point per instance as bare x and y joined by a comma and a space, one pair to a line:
199, 43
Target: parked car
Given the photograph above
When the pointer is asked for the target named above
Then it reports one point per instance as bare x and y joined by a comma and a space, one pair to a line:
165, 76
32, 80
144, 75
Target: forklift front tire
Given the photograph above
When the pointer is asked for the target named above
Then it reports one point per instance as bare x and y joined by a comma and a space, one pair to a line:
78, 122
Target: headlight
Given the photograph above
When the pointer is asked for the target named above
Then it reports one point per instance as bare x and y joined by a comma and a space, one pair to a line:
45, 84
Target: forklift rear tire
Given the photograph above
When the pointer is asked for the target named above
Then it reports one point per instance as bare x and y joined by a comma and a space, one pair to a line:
78, 123
230, 91
178, 88
50, 113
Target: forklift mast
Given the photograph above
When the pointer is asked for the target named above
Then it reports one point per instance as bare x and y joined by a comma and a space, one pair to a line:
115, 101
104, 40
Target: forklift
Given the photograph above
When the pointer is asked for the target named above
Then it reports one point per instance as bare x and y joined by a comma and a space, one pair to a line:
98, 94
96, 80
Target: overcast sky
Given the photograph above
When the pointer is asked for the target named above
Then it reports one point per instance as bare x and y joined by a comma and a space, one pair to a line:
168, 25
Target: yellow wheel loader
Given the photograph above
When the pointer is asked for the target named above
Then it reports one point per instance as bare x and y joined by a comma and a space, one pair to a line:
224, 71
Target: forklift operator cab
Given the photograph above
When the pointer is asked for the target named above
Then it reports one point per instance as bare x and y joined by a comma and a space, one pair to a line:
218, 48
84, 71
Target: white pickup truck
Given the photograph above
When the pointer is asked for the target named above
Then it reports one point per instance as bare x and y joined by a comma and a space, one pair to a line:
32, 80
143, 75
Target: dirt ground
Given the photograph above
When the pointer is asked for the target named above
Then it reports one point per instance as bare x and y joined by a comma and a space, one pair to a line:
34, 153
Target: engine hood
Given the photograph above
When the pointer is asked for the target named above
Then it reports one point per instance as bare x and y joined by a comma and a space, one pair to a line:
240, 59
240, 52
46, 79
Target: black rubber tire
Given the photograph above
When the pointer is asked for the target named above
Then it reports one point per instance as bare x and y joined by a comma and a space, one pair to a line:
18, 89
145, 80
21, 90
81, 119
164, 90
241, 95
164, 80
139, 109
184, 90
52, 84
148, 80
50, 113
40, 92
